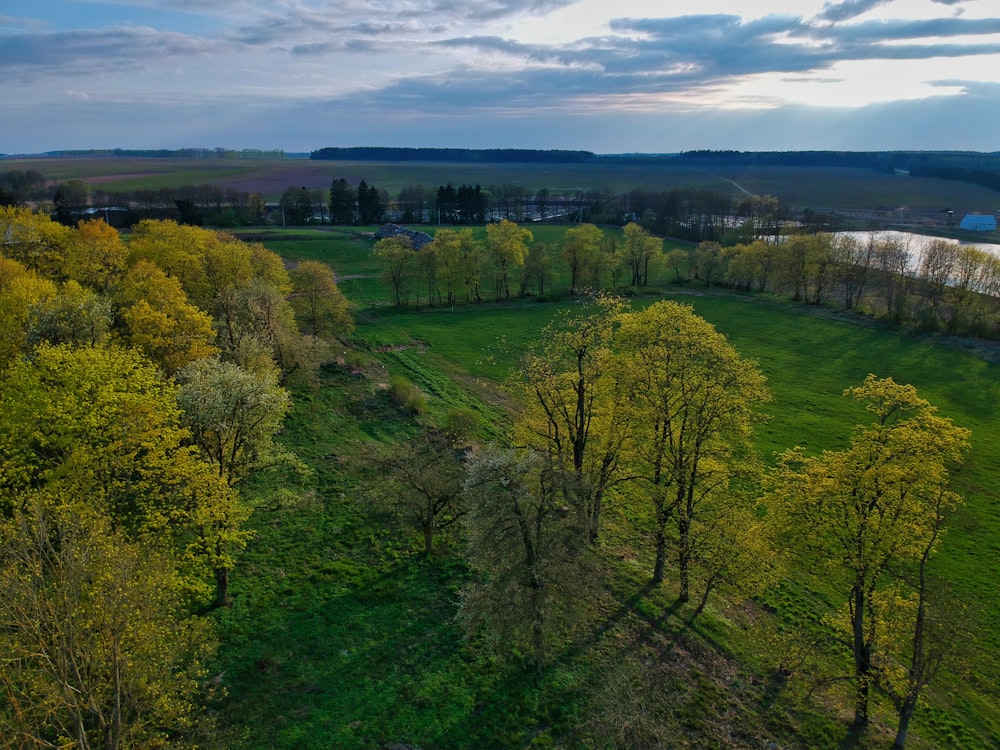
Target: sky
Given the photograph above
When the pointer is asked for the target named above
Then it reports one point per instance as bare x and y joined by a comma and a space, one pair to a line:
609, 76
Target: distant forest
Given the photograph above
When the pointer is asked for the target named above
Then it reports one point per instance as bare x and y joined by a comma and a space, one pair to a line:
967, 166
462, 155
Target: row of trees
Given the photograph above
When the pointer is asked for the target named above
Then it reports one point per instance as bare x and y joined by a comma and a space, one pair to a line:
940, 286
690, 214
458, 267
140, 385
936, 286
649, 414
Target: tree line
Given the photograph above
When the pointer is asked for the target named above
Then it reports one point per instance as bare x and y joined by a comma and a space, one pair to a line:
940, 286
464, 155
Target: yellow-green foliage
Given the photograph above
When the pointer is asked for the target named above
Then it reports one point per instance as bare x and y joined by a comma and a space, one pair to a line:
96, 650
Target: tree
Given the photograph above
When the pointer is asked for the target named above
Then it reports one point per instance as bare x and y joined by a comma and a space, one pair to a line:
537, 268
96, 648
926, 626
96, 256
708, 258
102, 425
71, 197
34, 241
296, 206
233, 415
317, 300
506, 243
894, 258
395, 256
412, 202
935, 272
177, 249
570, 413
160, 320
853, 261
75, 315
692, 402
21, 292
446, 249
371, 206
257, 326
580, 251
640, 250
421, 482
342, 200
532, 563
678, 260
870, 507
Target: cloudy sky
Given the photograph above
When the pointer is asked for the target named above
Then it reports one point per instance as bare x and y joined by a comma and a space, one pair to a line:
609, 76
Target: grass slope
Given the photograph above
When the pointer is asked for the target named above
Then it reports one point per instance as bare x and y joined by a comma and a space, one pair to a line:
342, 636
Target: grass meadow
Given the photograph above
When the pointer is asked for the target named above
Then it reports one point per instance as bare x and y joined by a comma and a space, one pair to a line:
343, 636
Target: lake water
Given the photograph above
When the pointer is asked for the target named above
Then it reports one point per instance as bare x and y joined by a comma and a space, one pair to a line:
918, 241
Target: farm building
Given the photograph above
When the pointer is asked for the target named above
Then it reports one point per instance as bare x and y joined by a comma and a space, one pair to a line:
979, 223
419, 239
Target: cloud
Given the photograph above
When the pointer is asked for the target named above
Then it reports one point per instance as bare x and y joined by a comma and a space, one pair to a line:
77, 53
377, 18
849, 9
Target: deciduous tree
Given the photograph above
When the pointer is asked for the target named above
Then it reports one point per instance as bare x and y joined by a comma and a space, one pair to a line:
855, 513
21, 291
580, 251
570, 411
160, 320
533, 579
692, 405
421, 483
396, 258
96, 650
34, 241
75, 315
317, 300
232, 414
506, 242
102, 425
96, 256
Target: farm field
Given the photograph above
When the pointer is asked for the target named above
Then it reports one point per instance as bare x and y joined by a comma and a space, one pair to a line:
798, 187
345, 637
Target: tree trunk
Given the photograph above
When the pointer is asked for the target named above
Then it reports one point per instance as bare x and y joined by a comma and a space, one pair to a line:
428, 539
595, 520
862, 660
661, 555
222, 588
905, 714
684, 557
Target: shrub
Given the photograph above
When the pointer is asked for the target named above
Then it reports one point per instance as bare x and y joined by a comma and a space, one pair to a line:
407, 395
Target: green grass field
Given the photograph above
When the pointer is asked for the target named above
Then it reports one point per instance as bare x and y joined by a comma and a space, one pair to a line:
343, 637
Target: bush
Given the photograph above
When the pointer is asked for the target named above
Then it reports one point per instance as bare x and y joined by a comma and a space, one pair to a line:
407, 395
461, 424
